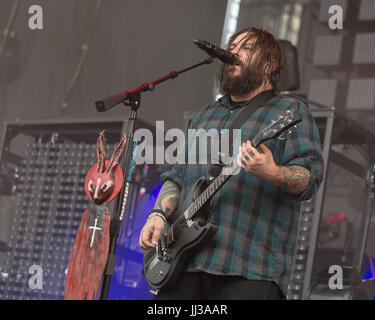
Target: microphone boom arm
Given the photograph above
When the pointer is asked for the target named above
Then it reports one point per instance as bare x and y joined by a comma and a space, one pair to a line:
124, 97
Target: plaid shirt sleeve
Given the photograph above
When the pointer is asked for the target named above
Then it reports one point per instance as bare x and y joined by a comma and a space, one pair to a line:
302, 148
176, 174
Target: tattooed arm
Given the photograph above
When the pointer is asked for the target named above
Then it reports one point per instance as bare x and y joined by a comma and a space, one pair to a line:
168, 197
167, 201
292, 179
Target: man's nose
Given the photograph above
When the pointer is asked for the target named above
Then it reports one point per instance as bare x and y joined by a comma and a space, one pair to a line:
236, 54
235, 50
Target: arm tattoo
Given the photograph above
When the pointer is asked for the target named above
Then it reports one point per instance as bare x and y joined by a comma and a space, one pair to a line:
168, 197
293, 179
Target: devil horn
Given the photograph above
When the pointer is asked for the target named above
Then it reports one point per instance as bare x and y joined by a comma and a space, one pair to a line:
117, 154
100, 153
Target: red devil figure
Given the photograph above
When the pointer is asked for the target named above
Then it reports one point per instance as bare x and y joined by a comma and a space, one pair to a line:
90, 250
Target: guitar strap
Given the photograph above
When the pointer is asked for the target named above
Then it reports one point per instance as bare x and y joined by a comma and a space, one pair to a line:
249, 107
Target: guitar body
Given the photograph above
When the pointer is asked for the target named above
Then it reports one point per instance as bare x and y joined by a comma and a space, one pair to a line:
163, 267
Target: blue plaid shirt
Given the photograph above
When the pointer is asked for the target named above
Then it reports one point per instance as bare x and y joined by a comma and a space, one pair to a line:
257, 221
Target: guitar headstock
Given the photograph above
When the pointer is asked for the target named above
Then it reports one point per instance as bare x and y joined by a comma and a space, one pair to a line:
284, 121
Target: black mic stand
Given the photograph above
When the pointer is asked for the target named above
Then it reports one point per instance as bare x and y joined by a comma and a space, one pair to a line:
132, 99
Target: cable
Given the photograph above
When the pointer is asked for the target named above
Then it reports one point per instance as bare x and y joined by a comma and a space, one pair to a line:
9, 24
85, 47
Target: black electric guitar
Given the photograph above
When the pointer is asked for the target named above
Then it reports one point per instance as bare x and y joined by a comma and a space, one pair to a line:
187, 230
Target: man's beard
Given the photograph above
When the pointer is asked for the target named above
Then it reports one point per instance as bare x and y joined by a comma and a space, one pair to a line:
243, 83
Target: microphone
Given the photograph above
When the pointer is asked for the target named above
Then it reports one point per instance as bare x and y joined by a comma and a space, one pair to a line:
216, 52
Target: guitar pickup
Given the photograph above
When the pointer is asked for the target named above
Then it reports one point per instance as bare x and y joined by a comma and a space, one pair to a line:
159, 250
170, 236
161, 246
162, 242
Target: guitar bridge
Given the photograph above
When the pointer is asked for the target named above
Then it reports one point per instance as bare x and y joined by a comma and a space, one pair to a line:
170, 236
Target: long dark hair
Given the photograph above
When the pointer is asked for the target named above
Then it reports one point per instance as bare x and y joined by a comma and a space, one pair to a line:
269, 59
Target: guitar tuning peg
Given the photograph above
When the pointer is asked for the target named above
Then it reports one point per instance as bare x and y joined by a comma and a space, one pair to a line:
295, 127
281, 137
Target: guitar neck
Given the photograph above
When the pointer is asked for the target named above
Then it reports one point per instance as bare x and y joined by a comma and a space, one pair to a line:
214, 186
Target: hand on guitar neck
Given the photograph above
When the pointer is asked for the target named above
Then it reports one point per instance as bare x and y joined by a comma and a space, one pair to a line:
167, 201
292, 179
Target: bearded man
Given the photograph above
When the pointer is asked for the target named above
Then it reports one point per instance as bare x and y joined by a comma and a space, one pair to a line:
256, 211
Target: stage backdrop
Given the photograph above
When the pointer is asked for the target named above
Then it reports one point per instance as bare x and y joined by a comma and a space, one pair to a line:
92, 49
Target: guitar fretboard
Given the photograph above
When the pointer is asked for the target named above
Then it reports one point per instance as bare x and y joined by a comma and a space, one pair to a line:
205, 195
215, 185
